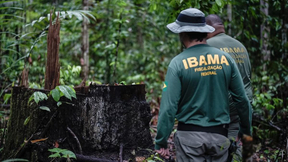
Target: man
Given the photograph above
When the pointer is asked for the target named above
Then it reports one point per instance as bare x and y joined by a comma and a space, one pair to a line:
239, 53
196, 93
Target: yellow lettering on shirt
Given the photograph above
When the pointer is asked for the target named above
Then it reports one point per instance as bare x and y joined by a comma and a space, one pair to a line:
236, 49
212, 60
233, 49
192, 61
202, 60
164, 86
185, 64
208, 73
224, 60
226, 50
215, 67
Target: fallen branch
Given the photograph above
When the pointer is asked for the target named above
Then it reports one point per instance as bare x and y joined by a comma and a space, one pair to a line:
260, 120
74, 136
121, 152
20, 151
91, 159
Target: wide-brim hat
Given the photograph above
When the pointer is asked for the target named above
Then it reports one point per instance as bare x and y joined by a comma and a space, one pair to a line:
190, 20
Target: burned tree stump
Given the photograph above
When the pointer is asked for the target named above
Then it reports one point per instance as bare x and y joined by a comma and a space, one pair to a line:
52, 69
94, 126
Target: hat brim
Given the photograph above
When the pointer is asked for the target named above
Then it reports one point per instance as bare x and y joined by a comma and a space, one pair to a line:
176, 28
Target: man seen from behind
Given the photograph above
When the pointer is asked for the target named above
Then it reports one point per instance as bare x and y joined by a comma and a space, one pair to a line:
239, 53
195, 92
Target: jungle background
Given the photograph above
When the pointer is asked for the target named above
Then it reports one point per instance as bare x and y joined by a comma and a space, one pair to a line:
127, 42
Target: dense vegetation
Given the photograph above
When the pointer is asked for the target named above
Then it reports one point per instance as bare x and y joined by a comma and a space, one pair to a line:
129, 43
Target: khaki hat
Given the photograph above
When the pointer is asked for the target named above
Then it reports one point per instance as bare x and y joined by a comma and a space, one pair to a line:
190, 20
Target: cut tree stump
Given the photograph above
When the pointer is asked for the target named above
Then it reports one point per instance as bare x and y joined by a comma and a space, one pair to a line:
95, 125
52, 68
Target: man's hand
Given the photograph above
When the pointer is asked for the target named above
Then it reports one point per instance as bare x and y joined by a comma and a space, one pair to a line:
247, 147
164, 152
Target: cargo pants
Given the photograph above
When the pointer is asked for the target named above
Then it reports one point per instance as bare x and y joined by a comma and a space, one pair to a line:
233, 131
192, 146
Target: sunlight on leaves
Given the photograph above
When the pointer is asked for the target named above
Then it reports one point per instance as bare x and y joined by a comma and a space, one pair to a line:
44, 108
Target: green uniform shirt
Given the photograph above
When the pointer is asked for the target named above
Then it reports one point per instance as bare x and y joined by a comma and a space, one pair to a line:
239, 53
196, 89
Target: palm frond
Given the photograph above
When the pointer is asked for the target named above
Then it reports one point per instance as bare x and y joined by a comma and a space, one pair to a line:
16, 8
3, 2
11, 15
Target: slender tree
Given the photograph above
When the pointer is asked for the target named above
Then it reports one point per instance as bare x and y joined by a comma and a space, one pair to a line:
284, 29
264, 6
85, 43
229, 14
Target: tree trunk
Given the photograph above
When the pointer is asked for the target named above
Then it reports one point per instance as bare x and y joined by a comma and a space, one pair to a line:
95, 126
107, 56
229, 14
85, 42
1, 61
52, 73
284, 28
24, 77
108, 69
264, 33
17, 40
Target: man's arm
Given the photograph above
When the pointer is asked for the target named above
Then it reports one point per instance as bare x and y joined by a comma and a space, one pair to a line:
241, 100
168, 108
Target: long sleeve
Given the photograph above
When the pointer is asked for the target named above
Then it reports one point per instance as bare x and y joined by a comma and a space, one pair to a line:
241, 101
168, 108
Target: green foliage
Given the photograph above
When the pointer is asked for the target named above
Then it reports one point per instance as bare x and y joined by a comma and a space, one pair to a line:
1, 114
44, 108
264, 101
56, 94
7, 96
70, 75
35, 86
275, 154
17, 51
58, 153
26, 121
154, 158
12, 160
66, 91
208, 7
37, 96
79, 14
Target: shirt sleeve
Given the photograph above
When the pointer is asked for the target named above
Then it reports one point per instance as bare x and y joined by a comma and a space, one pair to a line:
248, 84
241, 101
168, 108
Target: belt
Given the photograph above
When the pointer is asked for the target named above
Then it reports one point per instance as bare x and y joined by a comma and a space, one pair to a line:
219, 129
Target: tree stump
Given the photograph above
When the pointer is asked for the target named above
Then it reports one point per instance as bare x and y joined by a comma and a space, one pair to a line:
97, 125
